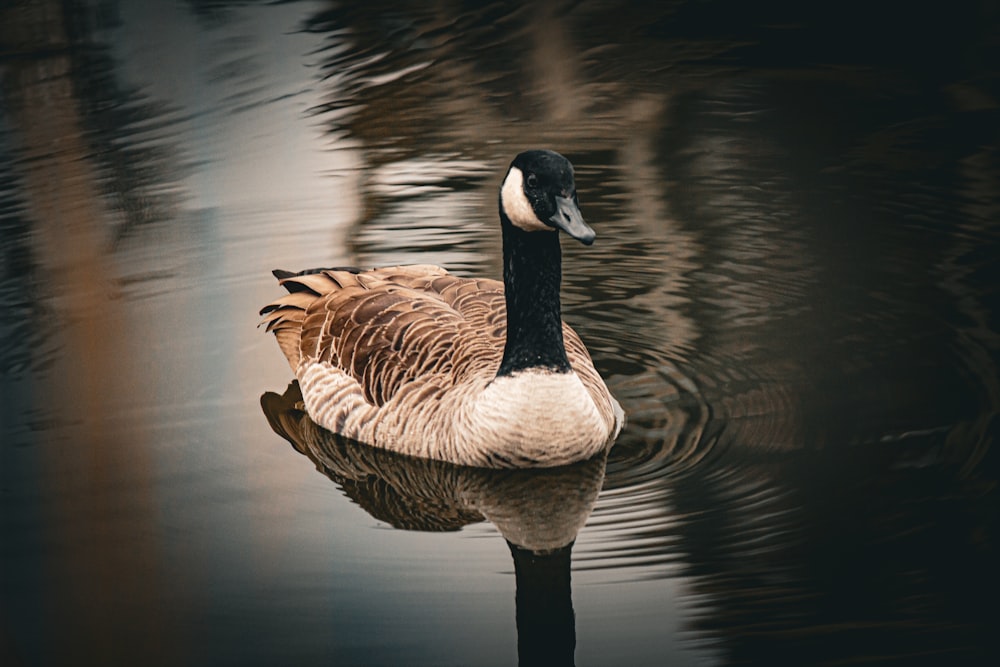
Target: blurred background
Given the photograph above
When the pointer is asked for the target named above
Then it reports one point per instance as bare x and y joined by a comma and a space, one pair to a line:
793, 293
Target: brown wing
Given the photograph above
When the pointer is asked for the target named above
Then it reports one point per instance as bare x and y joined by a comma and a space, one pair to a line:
388, 326
480, 301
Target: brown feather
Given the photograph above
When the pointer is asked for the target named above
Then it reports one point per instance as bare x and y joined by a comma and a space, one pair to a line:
386, 326
416, 328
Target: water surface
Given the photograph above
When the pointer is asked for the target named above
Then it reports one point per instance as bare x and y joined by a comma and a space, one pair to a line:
793, 293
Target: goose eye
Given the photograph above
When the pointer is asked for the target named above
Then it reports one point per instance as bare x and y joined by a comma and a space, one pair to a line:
532, 181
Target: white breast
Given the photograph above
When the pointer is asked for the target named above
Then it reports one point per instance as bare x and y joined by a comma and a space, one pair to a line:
541, 416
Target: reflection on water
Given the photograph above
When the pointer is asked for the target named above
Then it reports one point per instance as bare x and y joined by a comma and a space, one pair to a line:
793, 294
538, 512
535, 510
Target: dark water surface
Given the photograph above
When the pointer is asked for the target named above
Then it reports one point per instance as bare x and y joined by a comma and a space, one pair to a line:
794, 294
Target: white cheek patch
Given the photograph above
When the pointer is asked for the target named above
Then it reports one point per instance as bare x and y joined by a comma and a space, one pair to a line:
516, 205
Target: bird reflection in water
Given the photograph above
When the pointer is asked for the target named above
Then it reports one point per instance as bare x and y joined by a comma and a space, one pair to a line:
538, 511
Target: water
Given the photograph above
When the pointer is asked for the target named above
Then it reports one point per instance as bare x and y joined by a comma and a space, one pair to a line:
793, 293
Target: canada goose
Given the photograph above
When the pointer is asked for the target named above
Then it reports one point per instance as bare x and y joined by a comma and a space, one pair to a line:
467, 370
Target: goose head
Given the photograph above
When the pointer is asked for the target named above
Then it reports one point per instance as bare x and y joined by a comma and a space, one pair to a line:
539, 195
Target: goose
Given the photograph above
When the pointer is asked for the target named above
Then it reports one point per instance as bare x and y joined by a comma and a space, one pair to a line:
472, 371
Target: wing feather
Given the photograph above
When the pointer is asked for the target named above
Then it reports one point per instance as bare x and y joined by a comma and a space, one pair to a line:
387, 326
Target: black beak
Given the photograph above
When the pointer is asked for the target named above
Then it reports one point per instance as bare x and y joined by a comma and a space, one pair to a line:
569, 219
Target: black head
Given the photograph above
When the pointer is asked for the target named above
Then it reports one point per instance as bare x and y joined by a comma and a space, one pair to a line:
539, 194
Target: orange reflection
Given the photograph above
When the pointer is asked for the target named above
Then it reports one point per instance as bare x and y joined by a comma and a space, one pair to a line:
103, 600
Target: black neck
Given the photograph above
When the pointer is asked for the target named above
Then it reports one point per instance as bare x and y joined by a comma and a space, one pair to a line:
532, 272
